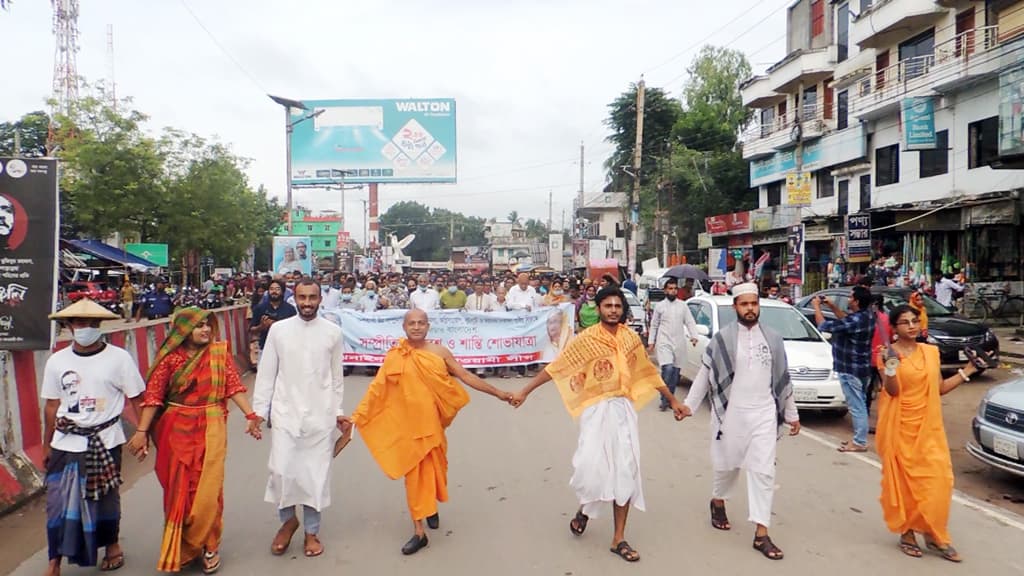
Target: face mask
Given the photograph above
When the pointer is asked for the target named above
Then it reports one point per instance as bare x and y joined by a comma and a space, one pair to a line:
346, 297
370, 293
557, 292
453, 289
423, 288
671, 297
86, 337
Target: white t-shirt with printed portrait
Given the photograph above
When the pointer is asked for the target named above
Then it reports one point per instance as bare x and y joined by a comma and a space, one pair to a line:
92, 390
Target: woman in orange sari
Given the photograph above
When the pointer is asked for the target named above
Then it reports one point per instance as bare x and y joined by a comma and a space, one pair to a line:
185, 409
917, 473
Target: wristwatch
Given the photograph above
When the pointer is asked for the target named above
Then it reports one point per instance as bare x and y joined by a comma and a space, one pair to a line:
891, 364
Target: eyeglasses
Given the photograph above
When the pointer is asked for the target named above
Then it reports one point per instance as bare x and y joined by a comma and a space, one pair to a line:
913, 322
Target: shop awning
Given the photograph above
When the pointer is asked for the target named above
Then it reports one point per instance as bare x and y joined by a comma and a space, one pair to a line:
108, 252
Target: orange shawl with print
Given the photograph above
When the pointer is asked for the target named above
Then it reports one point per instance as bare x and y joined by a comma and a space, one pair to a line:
598, 365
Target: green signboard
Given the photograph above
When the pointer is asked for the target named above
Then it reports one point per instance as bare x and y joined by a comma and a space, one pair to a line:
155, 253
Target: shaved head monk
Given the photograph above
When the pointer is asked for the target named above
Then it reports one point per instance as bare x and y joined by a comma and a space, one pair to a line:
402, 419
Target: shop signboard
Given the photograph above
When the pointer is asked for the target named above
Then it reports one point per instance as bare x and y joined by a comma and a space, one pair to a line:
919, 123
728, 224
1011, 112
858, 238
798, 189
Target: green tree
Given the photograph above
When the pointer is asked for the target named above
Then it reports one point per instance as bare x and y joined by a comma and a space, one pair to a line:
513, 216
536, 230
31, 131
713, 111
113, 172
437, 230
660, 116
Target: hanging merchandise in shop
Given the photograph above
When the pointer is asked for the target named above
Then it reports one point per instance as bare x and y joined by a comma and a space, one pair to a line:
795, 256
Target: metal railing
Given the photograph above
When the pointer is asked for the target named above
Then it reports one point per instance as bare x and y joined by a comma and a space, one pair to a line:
811, 118
912, 73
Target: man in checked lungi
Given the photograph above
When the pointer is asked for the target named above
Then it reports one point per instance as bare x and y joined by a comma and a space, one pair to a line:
85, 387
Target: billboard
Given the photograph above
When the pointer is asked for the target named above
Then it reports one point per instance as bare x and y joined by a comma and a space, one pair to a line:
292, 253
374, 141
28, 248
1011, 112
155, 253
858, 237
795, 255
798, 189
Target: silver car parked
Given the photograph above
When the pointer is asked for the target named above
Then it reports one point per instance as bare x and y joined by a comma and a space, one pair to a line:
999, 428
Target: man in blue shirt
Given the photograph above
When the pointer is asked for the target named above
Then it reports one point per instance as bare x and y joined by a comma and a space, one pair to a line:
156, 303
851, 357
273, 310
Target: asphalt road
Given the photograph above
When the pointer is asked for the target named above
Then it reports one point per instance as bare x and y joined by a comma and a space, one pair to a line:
511, 503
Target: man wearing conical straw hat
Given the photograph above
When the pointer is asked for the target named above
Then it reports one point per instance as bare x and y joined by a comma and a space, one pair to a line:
85, 386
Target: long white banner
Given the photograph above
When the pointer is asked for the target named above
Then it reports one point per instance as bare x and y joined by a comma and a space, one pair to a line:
475, 338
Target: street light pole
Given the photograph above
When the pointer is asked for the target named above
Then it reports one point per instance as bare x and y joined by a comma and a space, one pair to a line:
289, 126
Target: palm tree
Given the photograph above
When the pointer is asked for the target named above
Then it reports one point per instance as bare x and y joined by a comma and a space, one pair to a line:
513, 216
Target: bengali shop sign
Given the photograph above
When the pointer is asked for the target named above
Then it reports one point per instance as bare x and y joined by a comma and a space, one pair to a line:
476, 339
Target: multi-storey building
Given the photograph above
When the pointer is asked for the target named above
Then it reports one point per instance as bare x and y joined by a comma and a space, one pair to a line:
323, 231
905, 110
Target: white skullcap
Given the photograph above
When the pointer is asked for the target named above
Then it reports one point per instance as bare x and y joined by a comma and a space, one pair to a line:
745, 288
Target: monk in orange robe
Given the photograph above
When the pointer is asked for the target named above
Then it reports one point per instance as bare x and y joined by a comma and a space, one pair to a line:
403, 416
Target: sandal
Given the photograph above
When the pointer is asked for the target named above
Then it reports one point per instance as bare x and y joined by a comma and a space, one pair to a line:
283, 539
578, 525
718, 518
211, 562
947, 552
910, 549
111, 563
313, 552
852, 447
764, 545
626, 552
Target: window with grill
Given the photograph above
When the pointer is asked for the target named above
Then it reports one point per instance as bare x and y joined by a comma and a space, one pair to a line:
842, 110
817, 18
775, 194
826, 184
887, 165
936, 162
983, 142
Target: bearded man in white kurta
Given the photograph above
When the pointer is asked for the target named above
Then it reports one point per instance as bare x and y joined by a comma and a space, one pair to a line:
299, 387
672, 326
747, 376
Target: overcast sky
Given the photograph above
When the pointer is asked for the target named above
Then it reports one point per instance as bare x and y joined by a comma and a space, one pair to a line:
532, 78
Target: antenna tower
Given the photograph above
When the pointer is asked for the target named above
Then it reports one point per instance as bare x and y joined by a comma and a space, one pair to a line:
65, 68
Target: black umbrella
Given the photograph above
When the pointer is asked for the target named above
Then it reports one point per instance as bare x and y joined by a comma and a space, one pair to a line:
684, 271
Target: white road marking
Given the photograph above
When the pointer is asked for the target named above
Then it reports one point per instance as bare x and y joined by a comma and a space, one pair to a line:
1006, 518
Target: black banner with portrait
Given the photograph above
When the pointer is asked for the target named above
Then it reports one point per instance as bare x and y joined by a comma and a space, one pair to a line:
28, 251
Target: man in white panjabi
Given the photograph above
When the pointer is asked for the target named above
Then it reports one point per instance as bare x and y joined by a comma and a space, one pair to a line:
672, 326
299, 387
746, 374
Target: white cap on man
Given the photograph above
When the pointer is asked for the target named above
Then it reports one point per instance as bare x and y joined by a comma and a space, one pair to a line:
745, 288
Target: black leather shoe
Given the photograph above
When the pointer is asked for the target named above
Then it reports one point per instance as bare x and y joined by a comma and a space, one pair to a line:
434, 521
414, 544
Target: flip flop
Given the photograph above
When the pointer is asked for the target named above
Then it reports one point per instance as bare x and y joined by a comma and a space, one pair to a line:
851, 447
279, 549
911, 549
580, 525
947, 552
211, 568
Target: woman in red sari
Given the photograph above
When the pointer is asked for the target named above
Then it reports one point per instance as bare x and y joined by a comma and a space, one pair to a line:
185, 410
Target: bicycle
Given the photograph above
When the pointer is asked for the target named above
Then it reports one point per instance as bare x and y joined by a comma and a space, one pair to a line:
1009, 308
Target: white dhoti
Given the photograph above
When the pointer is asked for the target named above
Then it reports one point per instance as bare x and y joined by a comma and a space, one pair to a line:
606, 465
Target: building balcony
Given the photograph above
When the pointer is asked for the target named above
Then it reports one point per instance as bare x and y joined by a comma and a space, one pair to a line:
964, 59
802, 67
765, 140
886, 22
757, 93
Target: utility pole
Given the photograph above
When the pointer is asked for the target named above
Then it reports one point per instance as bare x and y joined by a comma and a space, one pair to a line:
634, 208
366, 227
550, 206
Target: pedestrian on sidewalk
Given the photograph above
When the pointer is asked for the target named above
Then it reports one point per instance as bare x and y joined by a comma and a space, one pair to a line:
917, 471
403, 416
746, 374
852, 332
85, 386
672, 326
185, 410
604, 377
299, 389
